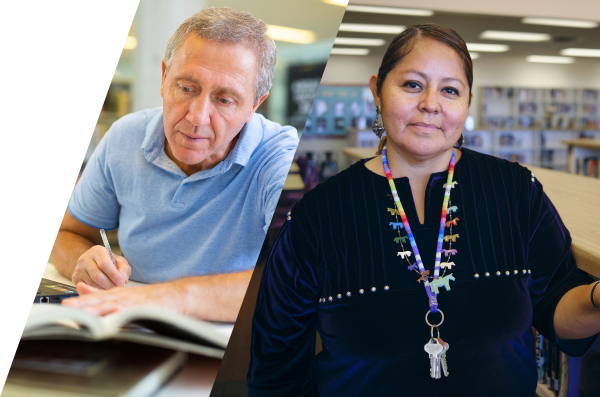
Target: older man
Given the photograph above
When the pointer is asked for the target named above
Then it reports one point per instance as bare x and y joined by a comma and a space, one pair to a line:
191, 187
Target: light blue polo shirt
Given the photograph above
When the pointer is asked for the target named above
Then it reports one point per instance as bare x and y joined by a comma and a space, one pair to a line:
171, 225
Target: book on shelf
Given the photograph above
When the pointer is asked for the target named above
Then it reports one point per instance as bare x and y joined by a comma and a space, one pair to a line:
497, 92
143, 325
539, 108
563, 376
539, 354
590, 95
587, 166
552, 365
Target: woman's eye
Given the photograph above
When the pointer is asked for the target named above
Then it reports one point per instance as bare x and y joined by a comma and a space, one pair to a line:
450, 90
411, 84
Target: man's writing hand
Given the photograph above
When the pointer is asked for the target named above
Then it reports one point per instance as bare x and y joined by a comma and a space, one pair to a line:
95, 268
101, 302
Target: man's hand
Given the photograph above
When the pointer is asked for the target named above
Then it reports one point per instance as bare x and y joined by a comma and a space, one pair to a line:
78, 254
215, 297
101, 303
96, 269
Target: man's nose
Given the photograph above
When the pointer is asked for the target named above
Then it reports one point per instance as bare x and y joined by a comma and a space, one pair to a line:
199, 111
430, 101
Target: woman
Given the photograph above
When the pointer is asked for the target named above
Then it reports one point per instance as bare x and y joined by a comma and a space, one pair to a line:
373, 270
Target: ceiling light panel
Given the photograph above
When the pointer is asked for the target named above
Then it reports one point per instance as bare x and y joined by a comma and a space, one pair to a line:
130, 43
291, 35
357, 41
580, 52
366, 28
390, 10
571, 23
549, 59
487, 47
514, 36
341, 3
350, 51
474, 55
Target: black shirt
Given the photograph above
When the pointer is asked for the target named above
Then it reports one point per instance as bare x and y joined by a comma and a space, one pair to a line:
340, 241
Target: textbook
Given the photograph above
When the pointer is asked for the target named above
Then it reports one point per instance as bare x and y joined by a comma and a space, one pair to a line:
146, 325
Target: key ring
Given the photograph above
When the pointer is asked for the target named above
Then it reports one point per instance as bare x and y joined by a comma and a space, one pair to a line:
436, 325
438, 332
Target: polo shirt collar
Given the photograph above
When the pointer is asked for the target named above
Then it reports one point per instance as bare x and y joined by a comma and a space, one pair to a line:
250, 137
154, 148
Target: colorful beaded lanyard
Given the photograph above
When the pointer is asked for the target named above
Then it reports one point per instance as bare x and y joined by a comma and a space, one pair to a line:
435, 344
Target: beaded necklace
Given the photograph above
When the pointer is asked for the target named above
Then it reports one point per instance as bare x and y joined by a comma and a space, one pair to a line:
424, 273
436, 348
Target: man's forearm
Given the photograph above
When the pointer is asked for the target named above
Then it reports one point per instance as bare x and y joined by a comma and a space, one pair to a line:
67, 249
575, 316
215, 297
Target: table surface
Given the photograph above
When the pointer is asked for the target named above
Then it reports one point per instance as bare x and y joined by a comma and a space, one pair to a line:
576, 199
584, 143
293, 182
195, 379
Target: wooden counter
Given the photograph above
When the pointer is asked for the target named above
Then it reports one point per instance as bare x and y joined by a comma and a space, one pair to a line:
575, 197
359, 153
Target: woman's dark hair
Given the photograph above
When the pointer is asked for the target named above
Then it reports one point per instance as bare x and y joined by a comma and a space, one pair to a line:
404, 43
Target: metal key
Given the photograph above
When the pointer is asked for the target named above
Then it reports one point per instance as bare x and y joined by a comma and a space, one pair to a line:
434, 349
443, 362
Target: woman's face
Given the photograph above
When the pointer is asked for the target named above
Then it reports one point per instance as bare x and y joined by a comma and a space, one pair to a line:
424, 99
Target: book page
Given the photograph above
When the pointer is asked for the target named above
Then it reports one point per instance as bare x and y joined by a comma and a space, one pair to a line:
170, 323
43, 315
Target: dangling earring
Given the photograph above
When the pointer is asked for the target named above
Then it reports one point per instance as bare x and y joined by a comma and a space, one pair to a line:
378, 127
459, 143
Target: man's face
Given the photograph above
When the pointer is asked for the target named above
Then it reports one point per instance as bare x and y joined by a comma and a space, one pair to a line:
208, 96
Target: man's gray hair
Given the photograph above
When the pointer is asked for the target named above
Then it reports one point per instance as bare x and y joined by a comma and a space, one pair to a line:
226, 25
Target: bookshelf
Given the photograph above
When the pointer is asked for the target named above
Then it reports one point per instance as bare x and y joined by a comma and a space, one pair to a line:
583, 156
539, 108
541, 148
587, 111
574, 375
497, 107
528, 107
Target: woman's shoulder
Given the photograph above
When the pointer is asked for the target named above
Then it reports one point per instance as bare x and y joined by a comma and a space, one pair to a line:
498, 182
322, 193
495, 167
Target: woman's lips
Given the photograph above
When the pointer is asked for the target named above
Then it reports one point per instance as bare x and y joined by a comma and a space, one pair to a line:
425, 126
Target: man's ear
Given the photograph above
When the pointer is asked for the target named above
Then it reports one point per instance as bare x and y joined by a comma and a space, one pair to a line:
257, 104
164, 76
373, 87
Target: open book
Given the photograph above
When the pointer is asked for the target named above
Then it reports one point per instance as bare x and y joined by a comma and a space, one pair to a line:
145, 325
